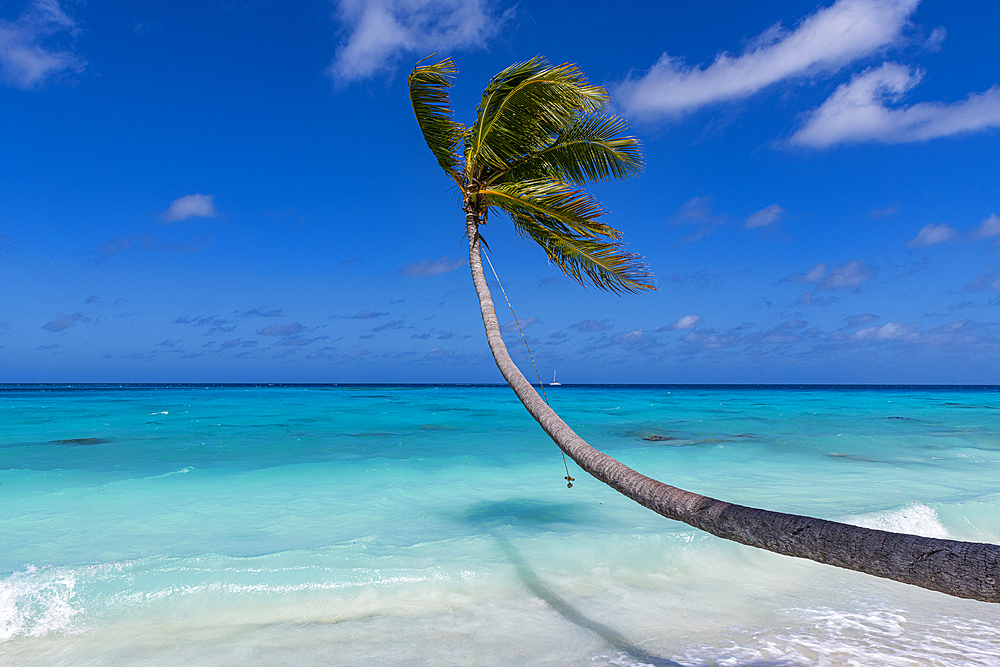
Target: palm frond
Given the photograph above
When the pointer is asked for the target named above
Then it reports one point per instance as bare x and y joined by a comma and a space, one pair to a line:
429, 86
564, 208
593, 148
603, 264
523, 107
540, 133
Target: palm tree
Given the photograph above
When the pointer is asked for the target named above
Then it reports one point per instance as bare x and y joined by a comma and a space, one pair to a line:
541, 133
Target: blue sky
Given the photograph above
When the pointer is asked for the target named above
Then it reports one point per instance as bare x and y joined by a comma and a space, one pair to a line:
236, 191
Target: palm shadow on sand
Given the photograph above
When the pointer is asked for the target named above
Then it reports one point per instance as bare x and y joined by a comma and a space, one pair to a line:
574, 615
491, 517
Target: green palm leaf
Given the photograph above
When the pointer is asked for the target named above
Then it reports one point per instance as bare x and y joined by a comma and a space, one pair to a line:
565, 208
563, 220
591, 149
585, 259
523, 107
429, 86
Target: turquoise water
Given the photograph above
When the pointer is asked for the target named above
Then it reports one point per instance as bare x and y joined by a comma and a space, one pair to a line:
346, 525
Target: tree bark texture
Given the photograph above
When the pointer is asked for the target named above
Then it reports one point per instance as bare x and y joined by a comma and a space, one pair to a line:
962, 569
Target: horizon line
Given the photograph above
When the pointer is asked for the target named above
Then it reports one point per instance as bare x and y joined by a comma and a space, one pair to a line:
744, 385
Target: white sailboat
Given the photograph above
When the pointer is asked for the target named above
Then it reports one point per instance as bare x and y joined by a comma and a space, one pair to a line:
554, 383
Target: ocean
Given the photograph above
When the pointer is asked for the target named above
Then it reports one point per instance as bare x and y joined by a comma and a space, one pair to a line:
334, 525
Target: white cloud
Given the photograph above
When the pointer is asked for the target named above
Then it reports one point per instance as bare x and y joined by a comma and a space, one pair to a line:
238, 342
591, 326
300, 341
848, 276
64, 321
786, 340
26, 60
190, 206
381, 32
711, 341
987, 281
282, 329
764, 217
933, 235
686, 322
935, 39
813, 275
698, 211
428, 268
962, 335
888, 331
633, 340
525, 323
855, 321
942, 233
810, 299
823, 42
988, 227
859, 111
884, 211
394, 324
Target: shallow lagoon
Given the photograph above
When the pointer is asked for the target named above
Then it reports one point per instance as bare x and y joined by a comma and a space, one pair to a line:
341, 525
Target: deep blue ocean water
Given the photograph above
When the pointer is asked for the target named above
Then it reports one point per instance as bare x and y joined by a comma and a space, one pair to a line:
430, 525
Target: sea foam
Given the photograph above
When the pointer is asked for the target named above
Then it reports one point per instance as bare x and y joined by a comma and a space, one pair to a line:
915, 519
875, 637
37, 601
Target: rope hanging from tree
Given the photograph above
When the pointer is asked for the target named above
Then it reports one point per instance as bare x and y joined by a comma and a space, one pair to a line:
541, 385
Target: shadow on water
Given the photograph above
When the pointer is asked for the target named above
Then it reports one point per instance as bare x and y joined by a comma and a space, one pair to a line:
69, 442
528, 513
571, 613
523, 513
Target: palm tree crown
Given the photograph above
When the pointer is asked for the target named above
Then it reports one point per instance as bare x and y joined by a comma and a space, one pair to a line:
540, 133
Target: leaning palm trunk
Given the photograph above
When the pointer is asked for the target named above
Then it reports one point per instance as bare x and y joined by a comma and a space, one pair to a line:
962, 569
540, 134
